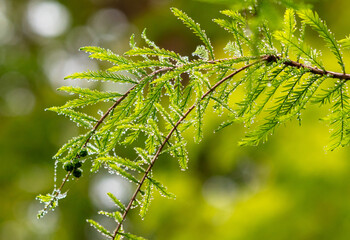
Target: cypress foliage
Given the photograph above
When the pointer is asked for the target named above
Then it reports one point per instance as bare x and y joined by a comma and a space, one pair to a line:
280, 73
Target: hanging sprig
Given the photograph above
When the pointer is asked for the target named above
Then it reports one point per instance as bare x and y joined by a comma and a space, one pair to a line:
160, 107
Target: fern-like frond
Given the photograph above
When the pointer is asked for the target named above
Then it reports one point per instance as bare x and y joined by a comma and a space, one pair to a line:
345, 43
234, 29
80, 118
309, 54
289, 25
162, 190
123, 162
102, 76
87, 97
236, 16
104, 55
73, 143
339, 117
117, 202
257, 84
139, 65
312, 19
195, 27
155, 52
131, 236
146, 199
100, 228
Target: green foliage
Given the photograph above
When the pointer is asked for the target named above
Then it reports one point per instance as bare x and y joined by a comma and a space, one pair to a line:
147, 197
116, 201
81, 119
312, 19
159, 107
195, 28
345, 42
100, 228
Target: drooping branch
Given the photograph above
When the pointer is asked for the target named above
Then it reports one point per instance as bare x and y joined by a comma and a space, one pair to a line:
57, 192
266, 58
155, 157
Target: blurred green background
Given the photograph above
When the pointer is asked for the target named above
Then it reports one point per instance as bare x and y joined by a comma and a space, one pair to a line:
288, 188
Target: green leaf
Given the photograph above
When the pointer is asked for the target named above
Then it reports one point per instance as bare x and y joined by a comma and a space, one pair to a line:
87, 96
74, 143
236, 16
301, 96
154, 52
195, 27
169, 119
148, 41
116, 216
143, 155
102, 76
146, 199
122, 172
131, 236
345, 43
124, 162
116, 201
289, 25
339, 118
201, 52
99, 228
328, 94
234, 29
162, 190
139, 65
268, 38
174, 147
155, 130
132, 42
104, 55
312, 19
80, 118
260, 135
302, 49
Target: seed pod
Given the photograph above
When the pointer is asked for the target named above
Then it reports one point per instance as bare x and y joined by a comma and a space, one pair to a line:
68, 166
77, 163
77, 172
83, 153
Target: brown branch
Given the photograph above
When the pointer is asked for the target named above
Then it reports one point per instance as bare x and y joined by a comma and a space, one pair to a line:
155, 157
314, 70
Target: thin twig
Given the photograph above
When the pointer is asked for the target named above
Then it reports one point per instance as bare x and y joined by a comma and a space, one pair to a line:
155, 157
291, 63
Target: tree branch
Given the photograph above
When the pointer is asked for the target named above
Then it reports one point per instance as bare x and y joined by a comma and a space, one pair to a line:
291, 63
155, 157
93, 130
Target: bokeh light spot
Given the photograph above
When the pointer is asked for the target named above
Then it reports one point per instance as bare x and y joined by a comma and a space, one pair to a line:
109, 24
111, 183
59, 64
48, 19
20, 101
219, 191
6, 29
